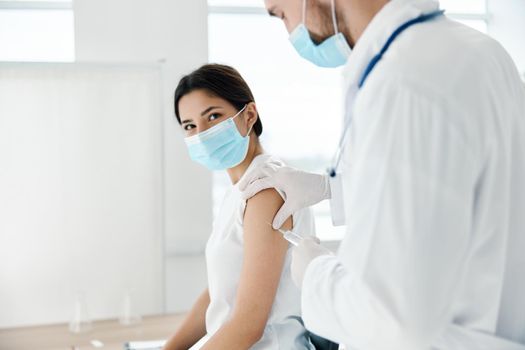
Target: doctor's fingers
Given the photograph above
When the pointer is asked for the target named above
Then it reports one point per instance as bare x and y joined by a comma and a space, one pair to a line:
257, 186
284, 213
252, 176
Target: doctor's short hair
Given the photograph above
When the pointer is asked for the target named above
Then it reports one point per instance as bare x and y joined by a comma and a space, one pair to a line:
222, 81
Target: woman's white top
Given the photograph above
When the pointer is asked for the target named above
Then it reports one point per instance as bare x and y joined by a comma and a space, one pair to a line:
224, 260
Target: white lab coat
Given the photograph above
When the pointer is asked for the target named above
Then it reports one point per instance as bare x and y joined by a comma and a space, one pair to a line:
433, 178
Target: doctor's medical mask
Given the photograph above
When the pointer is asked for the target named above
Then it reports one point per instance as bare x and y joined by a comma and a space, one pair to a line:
330, 53
314, 30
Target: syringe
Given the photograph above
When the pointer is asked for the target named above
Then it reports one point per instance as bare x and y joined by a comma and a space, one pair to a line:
290, 236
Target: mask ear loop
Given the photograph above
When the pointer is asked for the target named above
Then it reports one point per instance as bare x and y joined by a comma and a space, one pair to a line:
238, 114
251, 127
334, 18
249, 131
304, 12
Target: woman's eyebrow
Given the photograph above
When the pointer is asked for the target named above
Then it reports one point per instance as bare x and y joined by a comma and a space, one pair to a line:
207, 110
203, 113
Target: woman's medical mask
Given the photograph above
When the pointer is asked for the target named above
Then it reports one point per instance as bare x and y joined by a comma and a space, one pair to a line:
221, 146
332, 52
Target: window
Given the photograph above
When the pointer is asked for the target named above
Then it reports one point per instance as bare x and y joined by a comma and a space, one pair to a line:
301, 106
470, 12
465, 6
36, 31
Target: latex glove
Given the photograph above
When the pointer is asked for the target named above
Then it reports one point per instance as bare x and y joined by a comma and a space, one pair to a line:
307, 250
301, 189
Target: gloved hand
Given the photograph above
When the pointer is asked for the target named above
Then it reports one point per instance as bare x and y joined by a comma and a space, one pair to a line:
301, 189
307, 250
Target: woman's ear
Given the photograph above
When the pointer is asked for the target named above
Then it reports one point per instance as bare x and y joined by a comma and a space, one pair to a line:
251, 115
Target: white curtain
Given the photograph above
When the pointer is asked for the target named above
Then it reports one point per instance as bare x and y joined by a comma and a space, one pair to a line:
80, 190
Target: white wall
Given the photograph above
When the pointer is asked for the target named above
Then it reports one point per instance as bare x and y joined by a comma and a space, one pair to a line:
81, 190
176, 32
507, 25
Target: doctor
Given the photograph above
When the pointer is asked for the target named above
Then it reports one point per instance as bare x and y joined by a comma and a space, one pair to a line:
431, 176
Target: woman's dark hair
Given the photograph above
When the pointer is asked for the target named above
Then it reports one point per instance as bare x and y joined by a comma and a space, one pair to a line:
222, 81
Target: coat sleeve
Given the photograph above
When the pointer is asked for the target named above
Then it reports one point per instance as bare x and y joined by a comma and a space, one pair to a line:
409, 201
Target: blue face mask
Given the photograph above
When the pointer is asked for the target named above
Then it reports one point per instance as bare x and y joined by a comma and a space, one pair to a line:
332, 52
220, 147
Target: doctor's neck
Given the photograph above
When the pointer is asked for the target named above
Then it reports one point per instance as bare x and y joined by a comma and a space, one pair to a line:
354, 16
254, 149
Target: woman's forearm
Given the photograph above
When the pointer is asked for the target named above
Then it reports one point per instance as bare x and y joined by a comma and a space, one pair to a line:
193, 327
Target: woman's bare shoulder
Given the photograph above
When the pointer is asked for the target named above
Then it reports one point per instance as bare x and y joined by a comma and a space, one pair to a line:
262, 207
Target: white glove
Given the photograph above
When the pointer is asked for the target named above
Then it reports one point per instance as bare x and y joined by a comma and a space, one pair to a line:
307, 250
301, 189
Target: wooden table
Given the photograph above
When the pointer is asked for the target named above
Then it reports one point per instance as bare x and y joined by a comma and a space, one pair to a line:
112, 334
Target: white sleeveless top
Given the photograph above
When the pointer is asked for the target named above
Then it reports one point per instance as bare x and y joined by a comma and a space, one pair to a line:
224, 257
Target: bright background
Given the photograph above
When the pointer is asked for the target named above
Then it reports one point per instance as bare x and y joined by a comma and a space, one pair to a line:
300, 105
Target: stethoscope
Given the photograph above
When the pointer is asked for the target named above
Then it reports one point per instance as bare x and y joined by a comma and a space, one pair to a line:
332, 171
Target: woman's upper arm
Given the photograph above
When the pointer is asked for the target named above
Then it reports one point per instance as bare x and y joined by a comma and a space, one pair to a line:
264, 255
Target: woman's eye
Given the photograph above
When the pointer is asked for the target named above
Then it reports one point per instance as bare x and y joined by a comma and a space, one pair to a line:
189, 127
214, 116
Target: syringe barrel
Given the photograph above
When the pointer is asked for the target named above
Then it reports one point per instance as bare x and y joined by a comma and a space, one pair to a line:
293, 237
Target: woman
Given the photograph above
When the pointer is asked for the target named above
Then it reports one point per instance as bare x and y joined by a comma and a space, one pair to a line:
251, 301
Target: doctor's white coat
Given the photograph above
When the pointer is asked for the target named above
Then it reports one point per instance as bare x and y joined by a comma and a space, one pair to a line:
433, 179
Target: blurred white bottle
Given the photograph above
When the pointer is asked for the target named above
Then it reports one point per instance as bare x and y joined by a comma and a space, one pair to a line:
80, 322
128, 314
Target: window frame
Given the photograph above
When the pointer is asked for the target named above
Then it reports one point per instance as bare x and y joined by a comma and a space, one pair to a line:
252, 10
36, 5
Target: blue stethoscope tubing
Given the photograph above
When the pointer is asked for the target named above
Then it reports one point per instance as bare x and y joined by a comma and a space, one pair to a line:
332, 171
